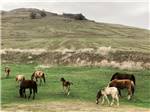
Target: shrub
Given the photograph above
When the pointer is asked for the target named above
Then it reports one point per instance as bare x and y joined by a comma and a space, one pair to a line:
33, 15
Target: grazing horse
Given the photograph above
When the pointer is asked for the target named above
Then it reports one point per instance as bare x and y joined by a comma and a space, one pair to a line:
28, 84
38, 74
66, 86
20, 78
121, 76
7, 71
113, 91
121, 84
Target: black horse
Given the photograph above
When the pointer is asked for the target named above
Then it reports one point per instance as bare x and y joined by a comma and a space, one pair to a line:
28, 84
122, 76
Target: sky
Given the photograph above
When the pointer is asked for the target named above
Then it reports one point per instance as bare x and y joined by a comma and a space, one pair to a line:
126, 12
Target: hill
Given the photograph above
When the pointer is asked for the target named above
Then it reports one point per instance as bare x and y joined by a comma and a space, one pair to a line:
71, 39
59, 31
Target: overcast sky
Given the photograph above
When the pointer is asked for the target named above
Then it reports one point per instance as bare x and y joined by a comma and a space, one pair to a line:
130, 12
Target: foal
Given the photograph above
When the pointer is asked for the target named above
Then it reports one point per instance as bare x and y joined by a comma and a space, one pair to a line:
66, 86
113, 91
7, 71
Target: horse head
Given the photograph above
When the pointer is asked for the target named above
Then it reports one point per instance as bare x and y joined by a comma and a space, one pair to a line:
62, 79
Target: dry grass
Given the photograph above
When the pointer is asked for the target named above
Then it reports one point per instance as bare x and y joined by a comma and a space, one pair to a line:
69, 107
103, 56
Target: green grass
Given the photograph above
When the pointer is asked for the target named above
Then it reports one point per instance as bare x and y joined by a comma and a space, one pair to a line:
86, 82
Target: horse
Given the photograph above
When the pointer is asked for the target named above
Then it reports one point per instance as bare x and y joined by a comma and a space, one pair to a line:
20, 78
28, 84
7, 71
113, 91
121, 84
66, 86
40, 75
121, 76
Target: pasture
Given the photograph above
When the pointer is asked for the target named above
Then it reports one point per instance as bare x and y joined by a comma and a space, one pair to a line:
86, 83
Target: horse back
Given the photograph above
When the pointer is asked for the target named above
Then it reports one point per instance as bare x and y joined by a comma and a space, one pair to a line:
28, 84
122, 76
38, 74
120, 83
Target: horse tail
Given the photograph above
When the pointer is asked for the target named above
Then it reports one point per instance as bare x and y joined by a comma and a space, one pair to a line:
133, 79
35, 87
132, 87
44, 77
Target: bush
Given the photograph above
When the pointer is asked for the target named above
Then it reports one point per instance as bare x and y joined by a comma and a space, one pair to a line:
75, 16
43, 13
33, 15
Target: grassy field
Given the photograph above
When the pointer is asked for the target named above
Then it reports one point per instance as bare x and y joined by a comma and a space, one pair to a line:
87, 81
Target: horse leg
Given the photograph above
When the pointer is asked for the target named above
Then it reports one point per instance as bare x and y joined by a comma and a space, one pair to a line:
68, 90
24, 92
33, 94
112, 102
117, 99
20, 92
40, 81
119, 92
44, 79
129, 93
64, 88
30, 93
107, 99
103, 100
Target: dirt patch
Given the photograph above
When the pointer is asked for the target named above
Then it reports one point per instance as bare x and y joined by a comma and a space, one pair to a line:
69, 107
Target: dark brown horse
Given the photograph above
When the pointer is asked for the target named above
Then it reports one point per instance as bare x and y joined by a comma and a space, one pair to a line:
121, 84
66, 85
7, 71
121, 76
40, 75
28, 84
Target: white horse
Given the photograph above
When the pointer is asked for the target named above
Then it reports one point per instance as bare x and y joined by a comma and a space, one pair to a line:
20, 78
113, 91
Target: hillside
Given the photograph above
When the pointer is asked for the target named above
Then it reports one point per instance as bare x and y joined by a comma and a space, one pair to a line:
58, 32
71, 39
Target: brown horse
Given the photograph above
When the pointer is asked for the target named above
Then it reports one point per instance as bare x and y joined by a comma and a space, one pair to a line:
7, 71
40, 75
28, 84
121, 76
66, 86
121, 84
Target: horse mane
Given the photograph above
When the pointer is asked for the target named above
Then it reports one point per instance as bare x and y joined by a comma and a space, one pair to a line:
114, 75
